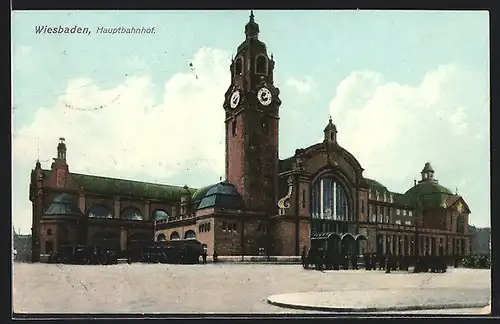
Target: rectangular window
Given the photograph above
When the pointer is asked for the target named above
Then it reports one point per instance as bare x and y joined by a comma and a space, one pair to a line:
233, 126
303, 199
362, 206
398, 212
410, 213
224, 226
398, 222
404, 212
407, 222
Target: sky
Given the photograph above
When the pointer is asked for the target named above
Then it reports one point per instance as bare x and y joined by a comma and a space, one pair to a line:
403, 88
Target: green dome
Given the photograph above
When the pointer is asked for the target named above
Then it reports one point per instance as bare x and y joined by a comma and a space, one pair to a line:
428, 194
221, 195
200, 193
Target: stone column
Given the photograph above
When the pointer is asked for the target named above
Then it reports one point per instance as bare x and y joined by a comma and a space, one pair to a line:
123, 239
81, 202
146, 210
117, 207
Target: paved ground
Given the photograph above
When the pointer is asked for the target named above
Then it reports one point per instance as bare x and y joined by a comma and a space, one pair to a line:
211, 288
401, 299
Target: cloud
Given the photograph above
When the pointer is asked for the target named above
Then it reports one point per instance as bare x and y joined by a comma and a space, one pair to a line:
304, 85
131, 134
394, 128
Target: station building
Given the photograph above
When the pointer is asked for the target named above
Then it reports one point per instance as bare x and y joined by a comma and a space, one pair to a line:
265, 205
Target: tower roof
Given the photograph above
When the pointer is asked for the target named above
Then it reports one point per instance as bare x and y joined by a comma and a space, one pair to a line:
330, 126
252, 28
428, 167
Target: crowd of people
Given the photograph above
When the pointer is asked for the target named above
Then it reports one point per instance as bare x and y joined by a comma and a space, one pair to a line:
323, 259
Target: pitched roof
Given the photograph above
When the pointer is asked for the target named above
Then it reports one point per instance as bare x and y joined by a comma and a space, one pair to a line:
373, 184
122, 187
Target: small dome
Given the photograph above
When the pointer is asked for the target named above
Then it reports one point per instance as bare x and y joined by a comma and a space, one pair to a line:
221, 195
64, 206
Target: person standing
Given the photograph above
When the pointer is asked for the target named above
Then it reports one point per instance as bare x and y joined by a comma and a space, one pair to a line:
204, 254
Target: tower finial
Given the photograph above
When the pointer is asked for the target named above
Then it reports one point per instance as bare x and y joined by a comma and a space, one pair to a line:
251, 15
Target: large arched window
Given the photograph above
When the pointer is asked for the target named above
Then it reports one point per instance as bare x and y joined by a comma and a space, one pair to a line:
329, 199
159, 215
131, 213
100, 211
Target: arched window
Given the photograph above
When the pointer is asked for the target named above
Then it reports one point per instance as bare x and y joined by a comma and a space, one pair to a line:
49, 232
131, 213
174, 236
238, 67
261, 63
100, 211
159, 215
161, 237
329, 199
190, 234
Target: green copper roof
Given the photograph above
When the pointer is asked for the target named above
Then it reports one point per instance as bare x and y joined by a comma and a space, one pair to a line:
428, 195
402, 200
131, 188
373, 184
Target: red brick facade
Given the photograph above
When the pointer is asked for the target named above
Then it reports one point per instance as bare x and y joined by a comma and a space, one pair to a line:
280, 206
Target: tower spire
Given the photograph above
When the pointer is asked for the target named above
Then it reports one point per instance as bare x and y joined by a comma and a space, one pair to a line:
252, 28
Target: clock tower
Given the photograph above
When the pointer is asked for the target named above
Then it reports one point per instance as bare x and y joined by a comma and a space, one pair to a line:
252, 114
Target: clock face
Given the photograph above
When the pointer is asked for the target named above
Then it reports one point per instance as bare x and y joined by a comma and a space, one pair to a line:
235, 99
264, 96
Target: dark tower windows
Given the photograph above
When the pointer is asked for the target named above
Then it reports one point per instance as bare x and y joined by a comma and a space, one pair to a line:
261, 65
238, 67
233, 127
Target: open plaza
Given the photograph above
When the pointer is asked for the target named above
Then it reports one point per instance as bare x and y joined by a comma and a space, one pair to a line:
239, 288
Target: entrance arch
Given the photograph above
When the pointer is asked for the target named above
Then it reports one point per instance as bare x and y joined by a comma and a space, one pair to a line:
348, 244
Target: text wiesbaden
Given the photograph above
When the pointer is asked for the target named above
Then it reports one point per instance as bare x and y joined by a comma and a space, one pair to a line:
99, 30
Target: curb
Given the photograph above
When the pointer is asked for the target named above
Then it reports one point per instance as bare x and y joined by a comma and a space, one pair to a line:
333, 309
